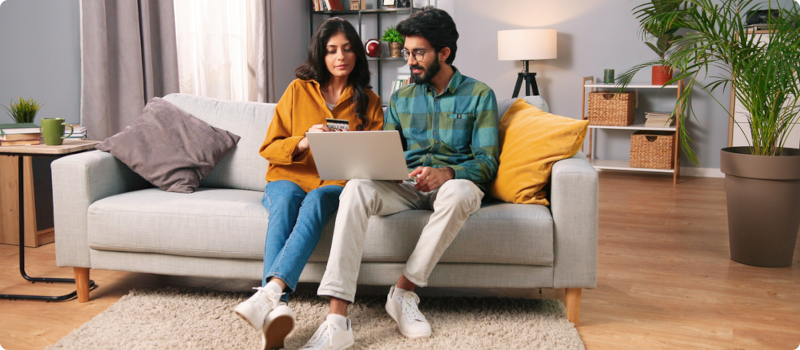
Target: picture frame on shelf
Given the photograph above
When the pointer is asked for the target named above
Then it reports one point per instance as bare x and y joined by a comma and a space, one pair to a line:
388, 3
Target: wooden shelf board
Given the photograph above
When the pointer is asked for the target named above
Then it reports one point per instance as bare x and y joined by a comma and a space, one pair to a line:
365, 11
624, 165
636, 126
385, 59
631, 86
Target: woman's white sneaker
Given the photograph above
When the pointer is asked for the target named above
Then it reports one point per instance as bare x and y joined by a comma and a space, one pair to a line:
402, 306
331, 336
256, 309
279, 323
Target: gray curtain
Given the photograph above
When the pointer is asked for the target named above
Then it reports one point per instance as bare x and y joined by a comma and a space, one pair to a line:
128, 56
269, 75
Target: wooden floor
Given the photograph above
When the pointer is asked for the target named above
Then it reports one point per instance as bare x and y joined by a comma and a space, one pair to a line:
665, 279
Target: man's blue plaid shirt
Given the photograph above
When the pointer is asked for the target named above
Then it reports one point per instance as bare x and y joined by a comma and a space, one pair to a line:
456, 129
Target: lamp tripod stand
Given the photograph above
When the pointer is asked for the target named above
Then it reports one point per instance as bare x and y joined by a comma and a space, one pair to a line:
530, 82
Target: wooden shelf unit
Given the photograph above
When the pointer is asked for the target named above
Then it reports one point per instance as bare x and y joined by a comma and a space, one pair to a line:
622, 165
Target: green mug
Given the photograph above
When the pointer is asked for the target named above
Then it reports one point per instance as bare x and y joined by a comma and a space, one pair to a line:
53, 131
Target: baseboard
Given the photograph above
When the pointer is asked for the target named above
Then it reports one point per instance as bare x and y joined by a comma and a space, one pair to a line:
701, 172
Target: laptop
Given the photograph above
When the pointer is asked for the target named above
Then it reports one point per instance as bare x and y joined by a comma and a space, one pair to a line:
370, 155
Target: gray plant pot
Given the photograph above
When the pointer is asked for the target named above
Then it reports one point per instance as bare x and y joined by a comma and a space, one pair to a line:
763, 195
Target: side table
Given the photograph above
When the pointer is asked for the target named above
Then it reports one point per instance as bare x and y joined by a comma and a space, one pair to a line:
68, 147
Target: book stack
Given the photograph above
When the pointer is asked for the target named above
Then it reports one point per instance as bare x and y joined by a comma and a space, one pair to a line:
658, 119
327, 5
78, 132
398, 83
20, 134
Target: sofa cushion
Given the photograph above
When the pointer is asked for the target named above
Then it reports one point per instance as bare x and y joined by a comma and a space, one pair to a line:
498, 233
169, 147
243, 168
224, 223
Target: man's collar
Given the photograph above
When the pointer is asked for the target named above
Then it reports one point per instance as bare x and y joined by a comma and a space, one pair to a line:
455, 81
452, 85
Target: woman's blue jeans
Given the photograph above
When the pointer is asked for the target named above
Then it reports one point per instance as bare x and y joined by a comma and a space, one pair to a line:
296, 219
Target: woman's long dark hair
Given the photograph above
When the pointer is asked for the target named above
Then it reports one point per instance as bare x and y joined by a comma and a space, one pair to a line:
315, 68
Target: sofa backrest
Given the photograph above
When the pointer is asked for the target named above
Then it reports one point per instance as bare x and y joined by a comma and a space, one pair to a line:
536, 101
243, 167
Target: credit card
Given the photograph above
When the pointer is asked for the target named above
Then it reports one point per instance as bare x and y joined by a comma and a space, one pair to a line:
338, 124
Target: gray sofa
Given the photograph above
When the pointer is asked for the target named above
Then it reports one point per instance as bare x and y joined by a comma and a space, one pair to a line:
109, 218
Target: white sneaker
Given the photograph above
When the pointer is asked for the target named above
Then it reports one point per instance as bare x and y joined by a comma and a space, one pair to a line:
278, 324
256, 309
329, 336
404, 310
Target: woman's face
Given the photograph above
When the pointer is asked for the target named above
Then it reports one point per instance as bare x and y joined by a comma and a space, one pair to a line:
340, 58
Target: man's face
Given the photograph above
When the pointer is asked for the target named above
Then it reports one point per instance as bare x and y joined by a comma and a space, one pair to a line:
424, 69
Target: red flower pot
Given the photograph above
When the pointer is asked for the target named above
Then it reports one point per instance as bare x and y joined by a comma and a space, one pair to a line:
661, 74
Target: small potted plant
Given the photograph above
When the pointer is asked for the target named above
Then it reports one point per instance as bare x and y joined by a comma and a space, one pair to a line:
664, 34
23, 111
395, 40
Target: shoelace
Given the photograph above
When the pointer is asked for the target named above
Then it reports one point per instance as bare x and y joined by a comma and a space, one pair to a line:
410, 309
270, 295
317, 338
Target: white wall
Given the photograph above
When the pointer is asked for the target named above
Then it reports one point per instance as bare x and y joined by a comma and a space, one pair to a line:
592, 35
40, 56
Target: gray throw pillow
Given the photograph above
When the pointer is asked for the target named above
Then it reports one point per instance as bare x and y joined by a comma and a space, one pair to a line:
172, 149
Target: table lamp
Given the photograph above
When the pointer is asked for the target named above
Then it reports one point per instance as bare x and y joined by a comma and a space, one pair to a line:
526, 45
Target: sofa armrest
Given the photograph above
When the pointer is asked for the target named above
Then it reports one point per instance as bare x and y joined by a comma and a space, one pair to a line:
78, 181
574, 204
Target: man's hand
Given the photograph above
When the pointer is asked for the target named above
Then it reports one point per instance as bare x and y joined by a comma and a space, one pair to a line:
429, 179
302, 146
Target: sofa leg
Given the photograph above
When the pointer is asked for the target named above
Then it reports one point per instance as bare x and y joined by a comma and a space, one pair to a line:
82, 283
573, 303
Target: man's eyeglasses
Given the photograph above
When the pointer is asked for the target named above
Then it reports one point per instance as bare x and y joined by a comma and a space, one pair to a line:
419, 55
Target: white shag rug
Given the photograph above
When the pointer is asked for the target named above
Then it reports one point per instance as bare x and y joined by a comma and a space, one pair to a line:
179, 318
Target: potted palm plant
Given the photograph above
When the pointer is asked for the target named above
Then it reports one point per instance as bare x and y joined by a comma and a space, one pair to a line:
763, 180
395, 40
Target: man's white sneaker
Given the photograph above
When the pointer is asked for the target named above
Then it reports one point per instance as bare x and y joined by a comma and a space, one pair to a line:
330, 336
404, 310
256, 309
278, 324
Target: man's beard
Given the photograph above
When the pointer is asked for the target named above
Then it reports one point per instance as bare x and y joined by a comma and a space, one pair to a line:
426, 75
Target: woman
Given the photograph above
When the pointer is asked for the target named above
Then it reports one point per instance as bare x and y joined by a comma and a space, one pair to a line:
332, 83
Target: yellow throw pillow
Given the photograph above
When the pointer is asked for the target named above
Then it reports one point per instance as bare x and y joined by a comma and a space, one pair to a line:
531, 141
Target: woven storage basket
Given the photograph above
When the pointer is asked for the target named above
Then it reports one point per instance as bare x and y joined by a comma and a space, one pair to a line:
652, 149
615, 109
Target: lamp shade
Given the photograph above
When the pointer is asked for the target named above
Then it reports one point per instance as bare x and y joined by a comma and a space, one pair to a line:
526, 44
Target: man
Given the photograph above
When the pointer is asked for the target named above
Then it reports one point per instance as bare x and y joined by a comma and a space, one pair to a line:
448, 123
